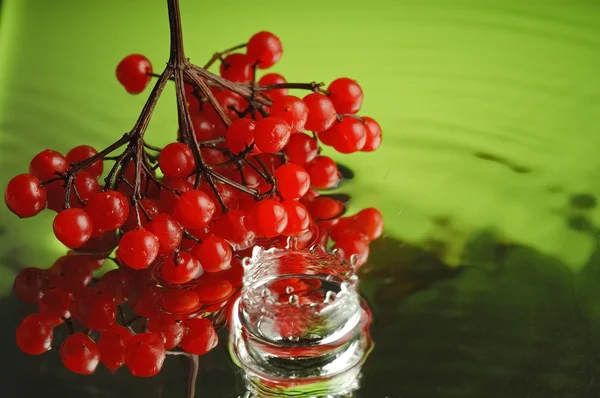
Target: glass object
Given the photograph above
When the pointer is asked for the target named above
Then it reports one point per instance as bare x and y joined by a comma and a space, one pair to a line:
300, 327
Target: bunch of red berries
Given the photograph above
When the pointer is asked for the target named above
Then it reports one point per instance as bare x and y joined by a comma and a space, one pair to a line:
243, 172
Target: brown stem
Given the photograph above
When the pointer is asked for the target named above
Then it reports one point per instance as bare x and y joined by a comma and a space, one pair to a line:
340, 116
218, 55
193, 376
313, 86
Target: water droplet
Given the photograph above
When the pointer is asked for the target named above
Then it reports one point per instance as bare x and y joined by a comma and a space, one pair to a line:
329, 297
289, 289
246, 262
314, 248
292, 243
265, 293
293, 300
354, 260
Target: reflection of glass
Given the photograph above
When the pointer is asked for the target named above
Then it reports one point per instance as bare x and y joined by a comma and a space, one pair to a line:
299, 328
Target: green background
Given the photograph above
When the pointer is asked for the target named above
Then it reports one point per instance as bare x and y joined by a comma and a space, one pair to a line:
486, 282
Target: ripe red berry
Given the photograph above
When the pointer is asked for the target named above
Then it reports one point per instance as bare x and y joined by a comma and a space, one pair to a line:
373, 140
240, 135
291, 109
324, 208
114, 284
176, 160
46, 164
139, 248
134, 72
206, 128
145, 354
321, 112
293, 181
268, 218
168, 231
271, 134
349, 135
112, 344
346, 95
298, 218
180, 268
214, 254
71, 273
94, 309
194, 209
265, 48
180, 301
233, 226
213, 289
237, 68
171, 330
34, 335
149, 209
323, 173
30, 284
168, 199
230, 102
301, 149
368, 222
87, 186
24, 196
54, 305
80, 354
109, 210
200, 337
273, 78
352, 246
84, 152
73, 227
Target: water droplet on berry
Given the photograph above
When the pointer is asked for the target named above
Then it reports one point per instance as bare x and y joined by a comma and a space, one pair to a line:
264, 293
292, 243
289, 289
293, 300
246, 262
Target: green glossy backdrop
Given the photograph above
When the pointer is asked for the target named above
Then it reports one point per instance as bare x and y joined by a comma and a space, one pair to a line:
491, 118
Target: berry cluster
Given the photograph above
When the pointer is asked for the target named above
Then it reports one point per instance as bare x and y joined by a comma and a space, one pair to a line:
242, 172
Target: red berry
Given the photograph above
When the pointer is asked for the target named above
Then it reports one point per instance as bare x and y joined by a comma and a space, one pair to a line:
352, 246
24, 196
268, 218
292, 110
228, 100
265, 48
324, 208
73, 227
176, 160
194, 209
30, 284
71, 273
234, 228
240, 135
168, 231
368, 222
87, 186
172, 330
346, 95
292, 181
46, 164
34, 335
149, 209
301, 149
109, 210
271, 134
298, 218
134, 72
145, 354
54, 305
95, 309
273, 78
139, 248
207, 129
180, 268
145, 302
348, 136
168, 199
214, 254
373, 140
200, 337
112, 344
323, 173
84, 152
114, 284
180, 301
321, 112
80, 354
237, 68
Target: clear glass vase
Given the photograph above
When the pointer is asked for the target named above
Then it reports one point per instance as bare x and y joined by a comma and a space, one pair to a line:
300, 327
